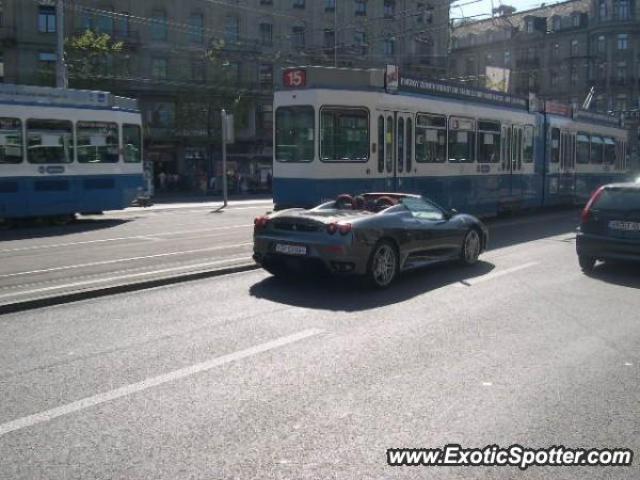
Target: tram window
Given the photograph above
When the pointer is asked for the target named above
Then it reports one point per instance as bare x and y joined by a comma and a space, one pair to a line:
10, 140
49, 141
462, 140
555, 145
132, 141
97, 142
518, 141
381, 143
409, 144
295, 138
488, 141
400, 133
582, 148
431, 138
597, 148
528, 144
344, 135
609, 151
388, 149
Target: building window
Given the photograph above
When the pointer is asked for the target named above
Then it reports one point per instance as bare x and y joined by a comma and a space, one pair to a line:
530, 25
265, 75
46, 19
159, 68
1, 67
623, 10
573, 75
123, 25
389, 8
329, 5
104, 22
555, 79
621, 102
47, 57
232, 29
298, 4
266, 33
196, 28
329, 38
602, 44
574, 48
507, 58
623, 41
297, 37
361, 7
576, 19
198, 71
389, 46
159, 25
266, 2
602, 9
265, 117
621, 72
360, 41
555, 51
557, 23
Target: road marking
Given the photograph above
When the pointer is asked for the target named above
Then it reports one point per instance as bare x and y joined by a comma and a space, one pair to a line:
118, 239
493, 275
120, 260
133, 388
126, 277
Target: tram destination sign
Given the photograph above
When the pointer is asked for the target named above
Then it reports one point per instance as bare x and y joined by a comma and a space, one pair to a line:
408, 84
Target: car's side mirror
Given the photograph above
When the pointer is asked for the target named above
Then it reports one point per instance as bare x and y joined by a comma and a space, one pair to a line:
450, 213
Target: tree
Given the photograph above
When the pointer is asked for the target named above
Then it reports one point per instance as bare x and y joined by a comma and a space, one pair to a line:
90, 56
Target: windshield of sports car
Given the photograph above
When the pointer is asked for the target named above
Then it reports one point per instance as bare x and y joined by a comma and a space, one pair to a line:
422, 209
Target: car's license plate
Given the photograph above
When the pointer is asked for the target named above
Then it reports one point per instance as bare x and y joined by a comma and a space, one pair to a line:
291, 249
626, 226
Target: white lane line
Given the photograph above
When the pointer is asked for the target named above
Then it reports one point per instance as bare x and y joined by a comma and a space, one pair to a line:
133, 388
118, 239
126, 277
120, 260
493, 275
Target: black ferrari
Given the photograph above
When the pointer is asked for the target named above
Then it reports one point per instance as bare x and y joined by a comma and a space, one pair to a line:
376, 235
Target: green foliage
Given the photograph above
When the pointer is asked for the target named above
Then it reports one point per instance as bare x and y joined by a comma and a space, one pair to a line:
90, 54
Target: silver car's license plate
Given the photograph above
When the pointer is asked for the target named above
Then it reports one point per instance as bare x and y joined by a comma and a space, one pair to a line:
291, 249
626, 226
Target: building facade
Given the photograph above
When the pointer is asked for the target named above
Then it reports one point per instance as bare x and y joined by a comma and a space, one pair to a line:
559, 52
185, 60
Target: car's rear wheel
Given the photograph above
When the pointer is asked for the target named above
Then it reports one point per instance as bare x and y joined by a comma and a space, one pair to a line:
471, 247
383, 264
587, 264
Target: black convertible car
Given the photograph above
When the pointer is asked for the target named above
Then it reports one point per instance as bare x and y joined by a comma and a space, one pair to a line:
376, 235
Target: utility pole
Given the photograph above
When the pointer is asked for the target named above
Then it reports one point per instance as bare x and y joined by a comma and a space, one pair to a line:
335, 33
61, 68
225, 192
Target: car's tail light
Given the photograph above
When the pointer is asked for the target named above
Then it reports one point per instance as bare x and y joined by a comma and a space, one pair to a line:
344, 228
586, 212
332, 228
260, 222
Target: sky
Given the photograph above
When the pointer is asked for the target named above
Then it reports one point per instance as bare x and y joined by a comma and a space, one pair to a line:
468, 8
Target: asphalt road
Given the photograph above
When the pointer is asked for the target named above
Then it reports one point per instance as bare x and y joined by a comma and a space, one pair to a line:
245, 376
122, 247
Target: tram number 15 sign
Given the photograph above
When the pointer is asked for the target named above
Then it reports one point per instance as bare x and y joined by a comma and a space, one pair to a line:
295, 78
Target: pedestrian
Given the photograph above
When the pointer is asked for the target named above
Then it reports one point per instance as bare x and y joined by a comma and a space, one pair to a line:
162, 179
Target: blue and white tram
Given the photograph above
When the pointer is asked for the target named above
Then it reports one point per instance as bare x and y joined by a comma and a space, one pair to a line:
66, 151
339, 130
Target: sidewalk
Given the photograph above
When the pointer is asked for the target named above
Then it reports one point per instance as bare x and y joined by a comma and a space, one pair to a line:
175, 198
172, 202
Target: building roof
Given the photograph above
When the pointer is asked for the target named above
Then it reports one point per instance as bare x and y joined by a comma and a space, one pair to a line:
517, 20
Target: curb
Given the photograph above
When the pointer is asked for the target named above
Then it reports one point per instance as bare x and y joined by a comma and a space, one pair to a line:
26, 305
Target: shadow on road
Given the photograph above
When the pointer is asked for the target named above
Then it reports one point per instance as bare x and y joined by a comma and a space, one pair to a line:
504, 232
618, 273
350, 294
29, 229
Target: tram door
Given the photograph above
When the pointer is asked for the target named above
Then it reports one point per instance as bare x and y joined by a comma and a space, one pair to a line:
395, 149
566, 177
515, 167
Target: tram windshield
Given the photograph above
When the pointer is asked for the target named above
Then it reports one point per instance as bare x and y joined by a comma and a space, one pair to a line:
295, 138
